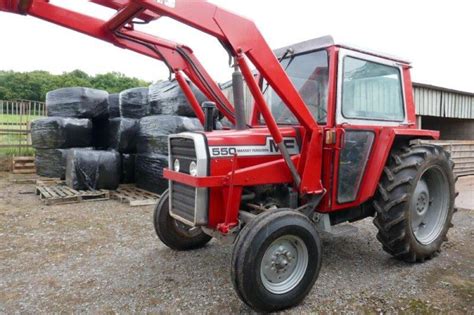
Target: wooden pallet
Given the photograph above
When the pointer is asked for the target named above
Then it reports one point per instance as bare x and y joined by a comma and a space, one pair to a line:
134, 196
46, 181
23, 165
59, 194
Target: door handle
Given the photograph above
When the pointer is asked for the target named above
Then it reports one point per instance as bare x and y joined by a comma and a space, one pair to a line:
342, 139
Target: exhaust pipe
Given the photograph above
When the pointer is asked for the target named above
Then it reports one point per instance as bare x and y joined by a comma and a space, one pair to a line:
238, 91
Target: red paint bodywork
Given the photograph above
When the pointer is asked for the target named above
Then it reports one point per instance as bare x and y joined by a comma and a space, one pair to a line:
317, 163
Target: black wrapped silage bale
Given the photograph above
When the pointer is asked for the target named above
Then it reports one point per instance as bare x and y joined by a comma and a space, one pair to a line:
91, 170
114, 108
52, 162
149, 172
77, 102
133, 103
167, 98
153, 131
128, 168
60, 133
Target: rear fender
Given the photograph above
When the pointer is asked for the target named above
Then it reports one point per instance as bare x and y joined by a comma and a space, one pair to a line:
386, 144
388, 138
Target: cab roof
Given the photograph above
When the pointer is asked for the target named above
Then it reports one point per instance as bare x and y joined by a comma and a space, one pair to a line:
328, 41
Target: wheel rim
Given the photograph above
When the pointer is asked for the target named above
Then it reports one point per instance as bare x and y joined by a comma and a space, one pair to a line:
429, 205
284, 264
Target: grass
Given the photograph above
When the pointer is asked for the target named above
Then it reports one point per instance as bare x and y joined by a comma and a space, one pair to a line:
14, 139
17, 118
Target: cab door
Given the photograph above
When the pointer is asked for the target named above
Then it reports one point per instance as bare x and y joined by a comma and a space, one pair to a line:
370, 100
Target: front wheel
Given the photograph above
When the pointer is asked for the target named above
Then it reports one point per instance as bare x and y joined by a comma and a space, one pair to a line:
276, 260
174, 234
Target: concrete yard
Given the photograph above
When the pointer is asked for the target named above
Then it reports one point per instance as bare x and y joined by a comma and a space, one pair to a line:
465, 186
105, 257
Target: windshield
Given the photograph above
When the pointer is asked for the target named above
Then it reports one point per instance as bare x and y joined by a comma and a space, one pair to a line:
309, 74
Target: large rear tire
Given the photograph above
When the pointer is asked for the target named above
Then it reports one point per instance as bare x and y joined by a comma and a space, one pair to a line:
276, 260
415, 202
174, 234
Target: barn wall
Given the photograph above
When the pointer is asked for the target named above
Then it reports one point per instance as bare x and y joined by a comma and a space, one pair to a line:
450, 128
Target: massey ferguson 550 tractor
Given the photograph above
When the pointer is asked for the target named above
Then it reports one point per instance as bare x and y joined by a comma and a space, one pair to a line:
332, 138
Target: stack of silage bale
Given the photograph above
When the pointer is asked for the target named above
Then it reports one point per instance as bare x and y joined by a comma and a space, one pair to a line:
64, 141
69, 125
132, 104
128, 133
114, 136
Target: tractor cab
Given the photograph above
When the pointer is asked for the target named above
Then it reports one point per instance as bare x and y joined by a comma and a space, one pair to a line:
370, 85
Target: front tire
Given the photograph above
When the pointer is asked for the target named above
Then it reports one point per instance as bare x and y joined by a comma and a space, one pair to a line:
174, 234
415, 202
276, 260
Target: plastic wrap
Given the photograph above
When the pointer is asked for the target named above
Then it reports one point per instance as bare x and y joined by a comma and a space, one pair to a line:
128, 168
153, 131
52, 162
167, 98
122, 135
60, 133
90, 170
114, 109
134, 103
77, 102
149, 172
117, 133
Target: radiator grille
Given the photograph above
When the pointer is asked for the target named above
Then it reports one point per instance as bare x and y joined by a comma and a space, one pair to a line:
183, 197
183, 201
184, 150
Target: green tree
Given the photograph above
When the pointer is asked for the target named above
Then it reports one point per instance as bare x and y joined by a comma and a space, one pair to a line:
34, 85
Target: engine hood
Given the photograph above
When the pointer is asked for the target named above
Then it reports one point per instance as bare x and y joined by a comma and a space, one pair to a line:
250, 142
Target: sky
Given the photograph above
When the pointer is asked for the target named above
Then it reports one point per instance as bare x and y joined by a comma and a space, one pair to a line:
436, 36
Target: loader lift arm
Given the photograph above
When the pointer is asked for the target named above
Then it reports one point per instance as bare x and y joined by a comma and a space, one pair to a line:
239, 36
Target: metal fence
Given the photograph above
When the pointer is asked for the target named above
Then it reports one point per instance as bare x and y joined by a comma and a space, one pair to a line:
15, 125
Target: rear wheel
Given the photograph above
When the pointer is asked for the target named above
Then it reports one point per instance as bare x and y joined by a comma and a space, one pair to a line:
174, 234
415, 202
276, 260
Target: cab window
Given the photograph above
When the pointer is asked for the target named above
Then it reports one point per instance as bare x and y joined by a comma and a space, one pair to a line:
309, 74
371, 91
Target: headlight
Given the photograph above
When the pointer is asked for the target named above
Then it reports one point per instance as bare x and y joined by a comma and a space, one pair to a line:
193, 169
176, 165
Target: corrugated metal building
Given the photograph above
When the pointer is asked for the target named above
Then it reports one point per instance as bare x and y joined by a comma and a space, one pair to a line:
437, 108
449, 111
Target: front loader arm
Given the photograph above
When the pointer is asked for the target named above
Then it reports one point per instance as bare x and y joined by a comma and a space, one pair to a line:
119, 31
238, 35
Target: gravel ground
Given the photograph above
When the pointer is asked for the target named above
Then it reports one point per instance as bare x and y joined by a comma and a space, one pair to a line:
104, 257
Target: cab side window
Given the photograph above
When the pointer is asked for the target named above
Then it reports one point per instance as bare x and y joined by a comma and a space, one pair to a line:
371, 91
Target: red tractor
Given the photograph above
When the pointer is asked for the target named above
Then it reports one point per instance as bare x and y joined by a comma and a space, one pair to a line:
332, 138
